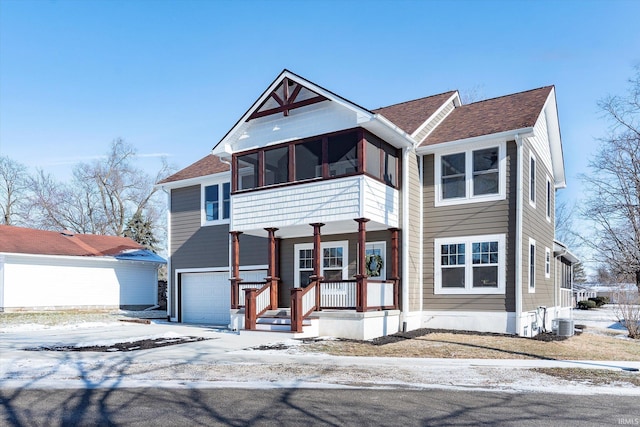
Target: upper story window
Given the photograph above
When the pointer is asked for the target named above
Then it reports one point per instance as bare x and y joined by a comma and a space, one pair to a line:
216, 203
472, 175
532, 180
548, 199
328, 156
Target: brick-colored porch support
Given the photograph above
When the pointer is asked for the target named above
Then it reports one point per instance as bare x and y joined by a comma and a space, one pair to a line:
317, 259
272, 278
361, 277
235, 267
395, 263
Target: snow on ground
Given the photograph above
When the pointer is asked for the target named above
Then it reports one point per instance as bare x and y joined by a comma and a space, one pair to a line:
232, 359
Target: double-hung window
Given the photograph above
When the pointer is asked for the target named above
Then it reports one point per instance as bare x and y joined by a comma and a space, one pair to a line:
548, 199
532, 180
333, 262
470, 265
532, 265
216, 203
473, 175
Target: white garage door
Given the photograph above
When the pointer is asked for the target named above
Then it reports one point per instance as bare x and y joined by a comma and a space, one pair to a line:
206, 297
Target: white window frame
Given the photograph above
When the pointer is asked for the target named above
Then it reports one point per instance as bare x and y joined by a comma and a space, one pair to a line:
203, 211
344, 244
547, 263
469, 197
532, 266
469, 289
533, 179
383, 249
548, 199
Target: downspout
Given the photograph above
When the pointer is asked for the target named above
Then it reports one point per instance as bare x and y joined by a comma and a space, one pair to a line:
229, 253
405, 232
518, 266
169, 275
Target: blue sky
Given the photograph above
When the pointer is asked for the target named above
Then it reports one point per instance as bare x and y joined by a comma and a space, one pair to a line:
172, 77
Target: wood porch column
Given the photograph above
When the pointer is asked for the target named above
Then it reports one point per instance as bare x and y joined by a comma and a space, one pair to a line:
361, 277
395, 263
317, 259
272, 278
235, 267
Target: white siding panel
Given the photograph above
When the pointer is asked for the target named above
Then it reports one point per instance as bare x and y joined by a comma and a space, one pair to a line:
540, 142
381, 202
58, 283
138, 284
323, 201
302, 122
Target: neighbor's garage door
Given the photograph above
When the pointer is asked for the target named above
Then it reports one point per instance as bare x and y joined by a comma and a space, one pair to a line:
206, 297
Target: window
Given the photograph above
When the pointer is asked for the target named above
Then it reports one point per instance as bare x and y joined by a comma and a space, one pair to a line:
334, 262
532, 265
343, 154
216, 202
547, 263
379, 249
532, 180
247, 166
471, 175
548, 199
308, 160
276, 166
473, 265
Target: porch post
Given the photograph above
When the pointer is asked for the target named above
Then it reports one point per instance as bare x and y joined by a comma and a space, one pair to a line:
395, 262
272, 278
235, 267
317, 258
361, 277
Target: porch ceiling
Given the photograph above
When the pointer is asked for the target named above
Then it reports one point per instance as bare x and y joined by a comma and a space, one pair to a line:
306, 230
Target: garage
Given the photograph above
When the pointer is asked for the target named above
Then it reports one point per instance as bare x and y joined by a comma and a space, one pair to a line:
206, 296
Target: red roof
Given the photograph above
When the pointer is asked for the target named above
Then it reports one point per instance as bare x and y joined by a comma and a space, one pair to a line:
40, 242
510, 112
208, 165
409, 115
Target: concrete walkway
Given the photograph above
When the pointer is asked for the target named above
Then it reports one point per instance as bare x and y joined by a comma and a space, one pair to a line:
232, 359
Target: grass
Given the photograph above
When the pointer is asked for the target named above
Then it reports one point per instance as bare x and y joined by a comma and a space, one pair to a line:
51, 318
595, 377
480, 346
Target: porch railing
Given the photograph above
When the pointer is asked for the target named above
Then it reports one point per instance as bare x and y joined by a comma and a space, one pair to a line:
303, 303
566, 298
242, 286
338, 294
381, 294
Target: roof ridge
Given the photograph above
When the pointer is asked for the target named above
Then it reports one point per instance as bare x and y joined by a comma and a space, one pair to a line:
504, 96
417, 99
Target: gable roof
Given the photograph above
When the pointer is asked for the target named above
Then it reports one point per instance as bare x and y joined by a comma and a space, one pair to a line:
491, 116
41, 242
409, 115
207, 165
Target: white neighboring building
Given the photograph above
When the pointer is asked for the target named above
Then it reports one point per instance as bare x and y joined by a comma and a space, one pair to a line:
47, 270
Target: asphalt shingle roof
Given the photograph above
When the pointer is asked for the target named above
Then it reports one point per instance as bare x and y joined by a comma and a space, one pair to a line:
40, 242
208, 165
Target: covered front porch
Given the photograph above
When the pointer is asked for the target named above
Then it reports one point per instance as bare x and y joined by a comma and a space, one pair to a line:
320, 302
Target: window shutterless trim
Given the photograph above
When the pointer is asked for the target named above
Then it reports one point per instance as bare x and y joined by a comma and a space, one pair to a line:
547, 263
469, 174
203, 209
468, 265
533, 172
549, 199
532, 266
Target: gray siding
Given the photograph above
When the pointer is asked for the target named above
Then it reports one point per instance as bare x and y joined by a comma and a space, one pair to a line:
536, 226
193, 246
412, 235
496, 217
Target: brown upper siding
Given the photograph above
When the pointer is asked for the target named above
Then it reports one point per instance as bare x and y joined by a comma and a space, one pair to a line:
536, 226
495, 217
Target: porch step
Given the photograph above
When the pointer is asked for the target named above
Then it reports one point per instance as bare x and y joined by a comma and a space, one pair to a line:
283, 324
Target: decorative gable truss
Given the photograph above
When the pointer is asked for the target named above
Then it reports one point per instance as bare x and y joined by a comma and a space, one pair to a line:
287, 96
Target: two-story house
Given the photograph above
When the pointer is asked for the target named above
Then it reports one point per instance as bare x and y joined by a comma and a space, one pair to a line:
360, 223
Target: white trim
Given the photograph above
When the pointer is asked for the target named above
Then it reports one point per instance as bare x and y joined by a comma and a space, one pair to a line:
468, 152
533, 195
519, 243
502, 322
344, 244
469, 289
421, 233
169, 275
193, 181
203, 211
455, 98
547, 263
532, 263
509, 135
405, 247
548, 199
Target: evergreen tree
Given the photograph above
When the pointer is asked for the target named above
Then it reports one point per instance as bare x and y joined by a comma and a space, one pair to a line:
579, 275
141, 231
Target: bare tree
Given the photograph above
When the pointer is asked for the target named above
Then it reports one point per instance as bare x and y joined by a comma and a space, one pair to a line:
565, 230
627, 310
103, 195
613, 187
14, 188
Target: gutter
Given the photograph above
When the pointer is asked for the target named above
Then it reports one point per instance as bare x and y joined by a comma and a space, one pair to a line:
405, 231
518, 266
506, 135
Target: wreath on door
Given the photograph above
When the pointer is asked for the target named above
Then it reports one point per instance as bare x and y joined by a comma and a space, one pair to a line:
374, 264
